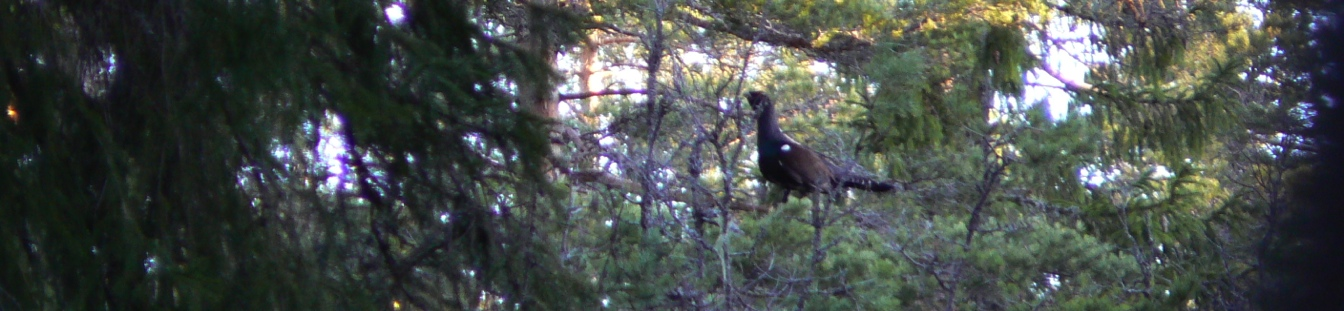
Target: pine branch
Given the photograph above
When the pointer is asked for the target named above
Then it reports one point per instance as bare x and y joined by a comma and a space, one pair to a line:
746, 32
616, 182
583, 95
1069, 84
598, 176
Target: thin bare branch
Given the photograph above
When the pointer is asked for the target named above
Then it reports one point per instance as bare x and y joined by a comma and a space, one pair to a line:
583, 95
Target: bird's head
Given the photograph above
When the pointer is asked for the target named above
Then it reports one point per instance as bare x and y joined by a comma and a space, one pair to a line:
758, 100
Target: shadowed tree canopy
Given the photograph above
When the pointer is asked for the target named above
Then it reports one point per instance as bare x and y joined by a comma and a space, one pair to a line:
580, 154
260, 155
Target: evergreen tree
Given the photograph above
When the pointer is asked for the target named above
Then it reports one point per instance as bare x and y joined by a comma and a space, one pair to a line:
568, 154
272, 155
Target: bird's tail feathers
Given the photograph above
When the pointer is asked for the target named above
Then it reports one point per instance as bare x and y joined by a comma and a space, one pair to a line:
864, 183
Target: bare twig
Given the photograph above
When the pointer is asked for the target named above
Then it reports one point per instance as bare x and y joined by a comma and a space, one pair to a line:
583, 95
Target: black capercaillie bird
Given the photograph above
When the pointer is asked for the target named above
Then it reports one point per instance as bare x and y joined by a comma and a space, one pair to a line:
795, 167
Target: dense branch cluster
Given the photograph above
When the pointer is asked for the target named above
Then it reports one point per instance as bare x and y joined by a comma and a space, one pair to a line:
571, 154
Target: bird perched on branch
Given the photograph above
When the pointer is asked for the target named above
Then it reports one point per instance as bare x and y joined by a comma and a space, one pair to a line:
798, 168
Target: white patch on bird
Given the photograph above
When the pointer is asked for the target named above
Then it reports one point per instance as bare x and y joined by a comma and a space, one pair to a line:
785, 148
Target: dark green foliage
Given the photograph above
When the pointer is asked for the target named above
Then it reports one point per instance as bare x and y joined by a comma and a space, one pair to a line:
897, 113
1004, 58
298, 155
1300, 270
180, 156
1176, 119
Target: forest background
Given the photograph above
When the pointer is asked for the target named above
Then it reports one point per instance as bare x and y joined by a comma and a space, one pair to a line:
562, 155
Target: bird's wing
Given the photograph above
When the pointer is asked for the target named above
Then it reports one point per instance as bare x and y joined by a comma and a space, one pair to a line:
806, 166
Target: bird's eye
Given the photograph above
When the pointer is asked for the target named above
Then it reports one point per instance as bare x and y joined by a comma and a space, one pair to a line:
785, 148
